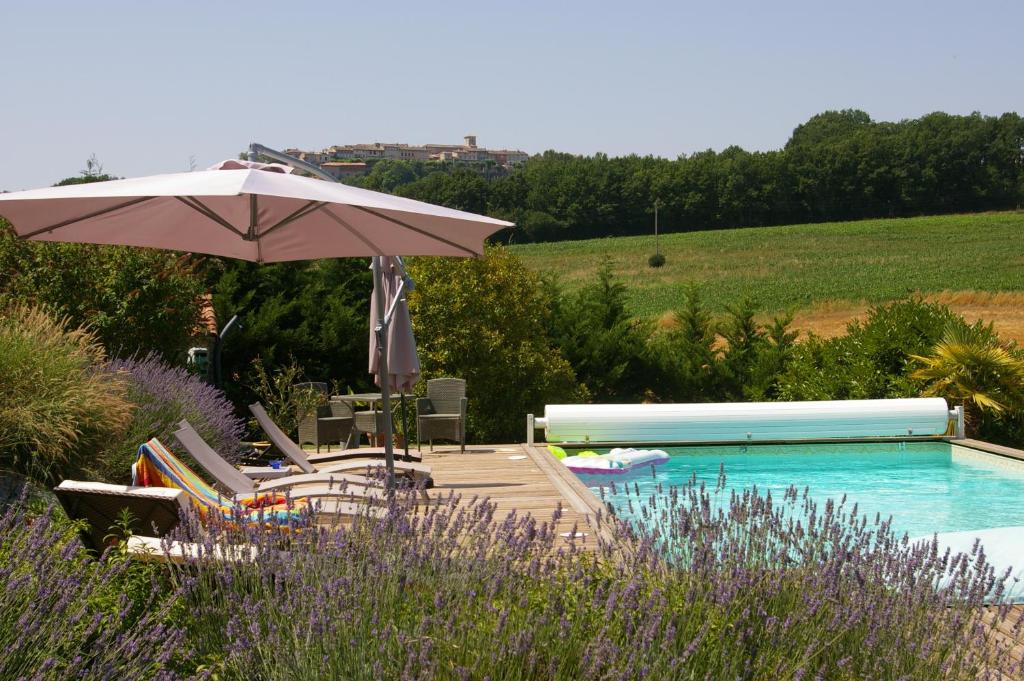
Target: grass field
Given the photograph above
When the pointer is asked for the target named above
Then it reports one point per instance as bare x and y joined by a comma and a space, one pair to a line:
824, 274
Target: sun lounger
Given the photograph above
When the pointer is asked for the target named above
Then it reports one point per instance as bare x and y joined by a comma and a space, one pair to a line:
297, 486
151, 548
157, 466
418, 472
155, 511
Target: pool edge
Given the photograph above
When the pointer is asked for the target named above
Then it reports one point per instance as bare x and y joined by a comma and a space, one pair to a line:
989, 448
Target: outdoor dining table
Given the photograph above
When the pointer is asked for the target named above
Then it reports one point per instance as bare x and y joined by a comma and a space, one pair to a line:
373, 399
363, 398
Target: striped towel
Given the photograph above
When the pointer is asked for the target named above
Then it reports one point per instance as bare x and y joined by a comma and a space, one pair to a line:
157, 466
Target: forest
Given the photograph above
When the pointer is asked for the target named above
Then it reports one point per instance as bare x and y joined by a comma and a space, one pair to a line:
839, 165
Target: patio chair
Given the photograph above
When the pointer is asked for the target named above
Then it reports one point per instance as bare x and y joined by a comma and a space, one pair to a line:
265, 422
442, 413
371, 422
155, 512
298, 486
417, 472
328, 423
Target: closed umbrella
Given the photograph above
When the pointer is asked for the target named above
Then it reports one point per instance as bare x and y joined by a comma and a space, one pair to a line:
253, 212
403, 365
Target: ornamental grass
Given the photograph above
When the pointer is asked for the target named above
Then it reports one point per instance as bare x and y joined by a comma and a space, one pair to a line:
55, 406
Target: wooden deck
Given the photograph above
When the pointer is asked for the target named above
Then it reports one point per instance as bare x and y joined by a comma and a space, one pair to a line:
1010, 632
518, 478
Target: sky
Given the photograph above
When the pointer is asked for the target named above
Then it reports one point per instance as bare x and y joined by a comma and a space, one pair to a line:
155, 87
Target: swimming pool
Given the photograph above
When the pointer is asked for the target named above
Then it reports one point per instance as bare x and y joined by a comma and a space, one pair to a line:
927, 487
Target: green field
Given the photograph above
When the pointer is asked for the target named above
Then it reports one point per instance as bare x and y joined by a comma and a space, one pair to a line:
793, 267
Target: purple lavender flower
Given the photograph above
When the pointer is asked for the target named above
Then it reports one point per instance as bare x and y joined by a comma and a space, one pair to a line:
164, 395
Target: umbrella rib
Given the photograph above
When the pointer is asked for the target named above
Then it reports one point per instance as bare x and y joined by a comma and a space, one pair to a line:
354, 232
417, 230
87, 216
199, 207
300, 213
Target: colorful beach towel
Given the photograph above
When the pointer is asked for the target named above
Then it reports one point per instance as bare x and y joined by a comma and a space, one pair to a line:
157, 466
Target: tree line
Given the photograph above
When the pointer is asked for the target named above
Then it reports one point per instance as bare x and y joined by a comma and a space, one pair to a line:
839, 165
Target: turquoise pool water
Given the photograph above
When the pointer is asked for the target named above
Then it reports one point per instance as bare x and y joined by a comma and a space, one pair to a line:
925, 486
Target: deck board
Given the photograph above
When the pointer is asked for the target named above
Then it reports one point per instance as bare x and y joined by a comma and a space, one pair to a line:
526, 485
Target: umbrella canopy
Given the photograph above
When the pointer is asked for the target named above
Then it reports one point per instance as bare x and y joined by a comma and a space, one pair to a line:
252, 211
403, 363
239, 211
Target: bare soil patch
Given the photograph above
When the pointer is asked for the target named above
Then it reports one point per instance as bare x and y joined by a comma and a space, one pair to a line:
1005, 310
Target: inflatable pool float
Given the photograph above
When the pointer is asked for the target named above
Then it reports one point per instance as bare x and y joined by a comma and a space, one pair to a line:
615, 462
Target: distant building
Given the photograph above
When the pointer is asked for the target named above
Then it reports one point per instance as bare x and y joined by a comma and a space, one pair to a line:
340, 169
337, 159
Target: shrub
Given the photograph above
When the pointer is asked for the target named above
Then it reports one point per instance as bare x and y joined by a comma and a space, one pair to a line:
315, 314
57, 408
136, 300
66, 615
970, 366
873, 359
704, 584
734, 359
484, 320
283, 402
606, 347
164, 395
754, 355
656, 260
687, 353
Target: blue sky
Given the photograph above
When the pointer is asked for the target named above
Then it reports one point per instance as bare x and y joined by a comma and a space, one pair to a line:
145, 85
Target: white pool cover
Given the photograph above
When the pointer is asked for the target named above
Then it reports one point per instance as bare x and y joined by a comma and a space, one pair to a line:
744, 422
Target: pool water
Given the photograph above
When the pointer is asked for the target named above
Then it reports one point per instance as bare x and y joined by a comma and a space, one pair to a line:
926, 487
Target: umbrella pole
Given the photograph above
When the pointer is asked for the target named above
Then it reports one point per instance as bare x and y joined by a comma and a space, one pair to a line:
385, 388
405, 428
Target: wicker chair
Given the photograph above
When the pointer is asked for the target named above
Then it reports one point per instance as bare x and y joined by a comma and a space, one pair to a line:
329, 423
442, 413
370, 422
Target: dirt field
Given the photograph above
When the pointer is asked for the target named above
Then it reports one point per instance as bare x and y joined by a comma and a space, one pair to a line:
1004, 310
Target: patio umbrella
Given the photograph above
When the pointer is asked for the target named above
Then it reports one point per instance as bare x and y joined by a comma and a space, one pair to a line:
250, 211
259, 214
403, 365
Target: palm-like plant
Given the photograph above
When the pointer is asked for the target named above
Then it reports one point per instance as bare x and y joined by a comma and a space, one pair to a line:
971, 366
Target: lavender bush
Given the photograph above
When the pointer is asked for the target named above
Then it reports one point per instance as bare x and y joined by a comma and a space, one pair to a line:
66, 615
754, 590
164, 395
